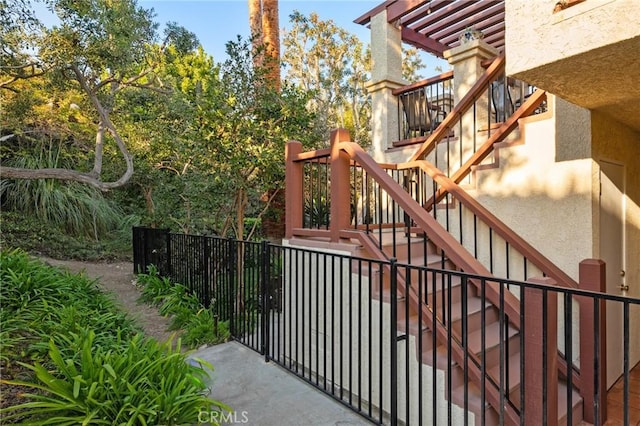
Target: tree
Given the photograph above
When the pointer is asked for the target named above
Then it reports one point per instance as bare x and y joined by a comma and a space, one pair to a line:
259, 121
334, 66
100, 48
208, 152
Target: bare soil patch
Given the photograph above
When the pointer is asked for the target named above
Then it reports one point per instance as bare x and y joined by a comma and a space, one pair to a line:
117, 278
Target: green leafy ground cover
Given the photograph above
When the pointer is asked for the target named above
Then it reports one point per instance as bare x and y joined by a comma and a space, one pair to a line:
199, 324
68, 356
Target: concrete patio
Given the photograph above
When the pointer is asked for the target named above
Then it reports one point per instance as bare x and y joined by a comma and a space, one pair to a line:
266, 394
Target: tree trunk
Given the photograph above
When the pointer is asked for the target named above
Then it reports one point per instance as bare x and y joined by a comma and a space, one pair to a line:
92, 178
255, 29
241, 199
97, 164
271, 37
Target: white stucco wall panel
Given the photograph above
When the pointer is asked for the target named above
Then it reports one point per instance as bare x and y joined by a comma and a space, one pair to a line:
554, 36
587, 53
547, 203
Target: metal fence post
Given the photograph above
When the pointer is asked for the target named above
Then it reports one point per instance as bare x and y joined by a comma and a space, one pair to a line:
145, 250
232, 285
135, 237
205, 297
264, 287
168, 243
393, 341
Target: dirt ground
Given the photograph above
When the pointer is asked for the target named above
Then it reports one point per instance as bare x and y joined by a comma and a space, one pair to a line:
118, 279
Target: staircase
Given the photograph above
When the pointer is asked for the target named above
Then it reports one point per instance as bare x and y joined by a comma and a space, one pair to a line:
469, 316
465, 326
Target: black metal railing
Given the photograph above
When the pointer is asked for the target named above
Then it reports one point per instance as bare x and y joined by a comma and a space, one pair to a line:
369, 333
317, 194
422, 106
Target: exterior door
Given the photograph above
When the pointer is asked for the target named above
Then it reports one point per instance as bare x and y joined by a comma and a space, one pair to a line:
612, 223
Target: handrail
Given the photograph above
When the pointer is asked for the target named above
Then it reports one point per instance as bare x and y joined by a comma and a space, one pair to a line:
458, 255
423, 83
496, 68
530, 105
514, 240
458, 352
312, 155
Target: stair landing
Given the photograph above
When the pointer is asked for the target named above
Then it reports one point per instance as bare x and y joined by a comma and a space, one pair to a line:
615, 400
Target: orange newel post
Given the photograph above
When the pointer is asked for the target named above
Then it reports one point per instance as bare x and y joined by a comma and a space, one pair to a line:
340, 185
540, 360
593, 352
294, 175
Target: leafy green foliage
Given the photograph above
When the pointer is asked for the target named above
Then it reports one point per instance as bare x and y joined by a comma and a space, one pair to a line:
199, 325
32, 235
204, 328
153, 287
333, 65
206, 139
87, 362
144, 383
75, 208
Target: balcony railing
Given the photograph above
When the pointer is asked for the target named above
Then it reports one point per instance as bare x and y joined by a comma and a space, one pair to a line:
423, 106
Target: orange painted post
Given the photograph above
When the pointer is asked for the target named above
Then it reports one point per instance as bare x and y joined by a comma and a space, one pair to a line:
340, 185
540, 360
294, 175
592, 276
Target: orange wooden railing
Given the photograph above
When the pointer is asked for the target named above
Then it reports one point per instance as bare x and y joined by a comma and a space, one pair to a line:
343, 154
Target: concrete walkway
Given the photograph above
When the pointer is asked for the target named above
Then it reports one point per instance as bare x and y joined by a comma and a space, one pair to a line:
267, 395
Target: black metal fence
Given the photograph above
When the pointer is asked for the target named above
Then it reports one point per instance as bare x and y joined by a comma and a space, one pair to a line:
405, 344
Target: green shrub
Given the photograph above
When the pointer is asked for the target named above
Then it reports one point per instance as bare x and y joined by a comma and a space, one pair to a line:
199, 325
140, 382
77, 208
153, 287
84, 361
178, 299
203, 328
20, 230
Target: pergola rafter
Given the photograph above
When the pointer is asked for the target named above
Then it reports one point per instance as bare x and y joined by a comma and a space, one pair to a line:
434, 25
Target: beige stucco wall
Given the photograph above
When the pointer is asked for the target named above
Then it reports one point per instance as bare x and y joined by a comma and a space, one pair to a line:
554, 36
548, 203
586, 54
572, 131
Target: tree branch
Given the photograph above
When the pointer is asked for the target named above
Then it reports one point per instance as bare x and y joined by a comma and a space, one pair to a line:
264, 210
106, 121
54, 173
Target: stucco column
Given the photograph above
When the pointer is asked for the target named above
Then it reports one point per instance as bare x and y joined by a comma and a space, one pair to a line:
386, 75
466, 61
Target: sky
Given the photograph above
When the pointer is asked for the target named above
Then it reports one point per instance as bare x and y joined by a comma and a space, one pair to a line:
217, 21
